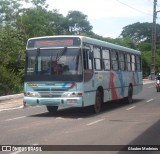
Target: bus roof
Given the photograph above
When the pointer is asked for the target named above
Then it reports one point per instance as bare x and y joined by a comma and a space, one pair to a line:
109, 45
94, 41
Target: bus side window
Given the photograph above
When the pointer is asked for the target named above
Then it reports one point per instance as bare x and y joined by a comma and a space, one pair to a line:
114, 60
121, 61
106, 59
88, 64
87, 61
133, 62
128, 62
138, 63
97, 58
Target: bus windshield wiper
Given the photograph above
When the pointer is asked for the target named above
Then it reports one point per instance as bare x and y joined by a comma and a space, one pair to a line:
61, 53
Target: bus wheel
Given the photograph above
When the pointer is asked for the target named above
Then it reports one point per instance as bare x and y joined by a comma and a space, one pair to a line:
98, 102
52, 109
130, 94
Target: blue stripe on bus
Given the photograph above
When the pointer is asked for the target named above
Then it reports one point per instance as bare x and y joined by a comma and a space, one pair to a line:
65, 85
121, 82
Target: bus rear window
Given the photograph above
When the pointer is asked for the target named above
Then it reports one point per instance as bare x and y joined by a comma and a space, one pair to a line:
54, 42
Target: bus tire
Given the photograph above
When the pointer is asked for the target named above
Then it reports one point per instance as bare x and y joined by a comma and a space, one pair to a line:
98, 102
130, 95
52, 109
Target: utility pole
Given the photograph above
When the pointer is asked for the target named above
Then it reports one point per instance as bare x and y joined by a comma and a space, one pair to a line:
153, 41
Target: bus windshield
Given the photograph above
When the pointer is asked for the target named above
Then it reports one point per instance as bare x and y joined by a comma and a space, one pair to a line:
53, 62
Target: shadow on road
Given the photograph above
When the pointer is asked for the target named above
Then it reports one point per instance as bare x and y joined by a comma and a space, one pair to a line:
85, 112
150, 137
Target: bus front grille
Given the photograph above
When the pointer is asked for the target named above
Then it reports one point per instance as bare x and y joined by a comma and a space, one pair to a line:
50, 94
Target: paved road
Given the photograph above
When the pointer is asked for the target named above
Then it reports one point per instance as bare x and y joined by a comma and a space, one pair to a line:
118, 124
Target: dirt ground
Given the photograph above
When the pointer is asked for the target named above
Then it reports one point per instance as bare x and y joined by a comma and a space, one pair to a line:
11, 103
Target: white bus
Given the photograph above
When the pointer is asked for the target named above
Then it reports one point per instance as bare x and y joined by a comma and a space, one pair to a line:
78, 71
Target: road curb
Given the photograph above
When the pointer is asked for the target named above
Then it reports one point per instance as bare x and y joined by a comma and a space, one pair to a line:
147, 81
2, 98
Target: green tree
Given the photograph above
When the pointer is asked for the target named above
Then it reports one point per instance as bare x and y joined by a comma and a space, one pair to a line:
11, 67
11, 47
10, 83
78, 23
40, 22
37, 3
140, 32
9, 9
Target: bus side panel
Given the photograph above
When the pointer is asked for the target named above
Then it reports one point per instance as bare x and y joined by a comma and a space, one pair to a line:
114, 83
130, 78
138, 82
89, 98
99, 80
119, 81
89, 91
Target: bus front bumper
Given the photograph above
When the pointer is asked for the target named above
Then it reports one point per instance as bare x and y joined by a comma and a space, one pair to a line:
70, 102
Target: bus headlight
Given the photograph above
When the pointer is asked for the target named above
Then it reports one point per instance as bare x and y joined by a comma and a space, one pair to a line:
72, 94
69, 94
31, 94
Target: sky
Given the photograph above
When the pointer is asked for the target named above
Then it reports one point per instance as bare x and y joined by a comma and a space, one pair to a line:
108, 17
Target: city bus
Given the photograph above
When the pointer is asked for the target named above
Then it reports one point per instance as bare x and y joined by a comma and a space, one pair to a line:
78, 71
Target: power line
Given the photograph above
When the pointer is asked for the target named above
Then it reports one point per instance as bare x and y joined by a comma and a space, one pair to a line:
134, 8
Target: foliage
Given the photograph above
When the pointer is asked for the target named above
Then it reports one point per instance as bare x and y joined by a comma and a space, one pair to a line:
78, 23
9, 9
9, 82
38, 3
11, 47
34, 22
138, 32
